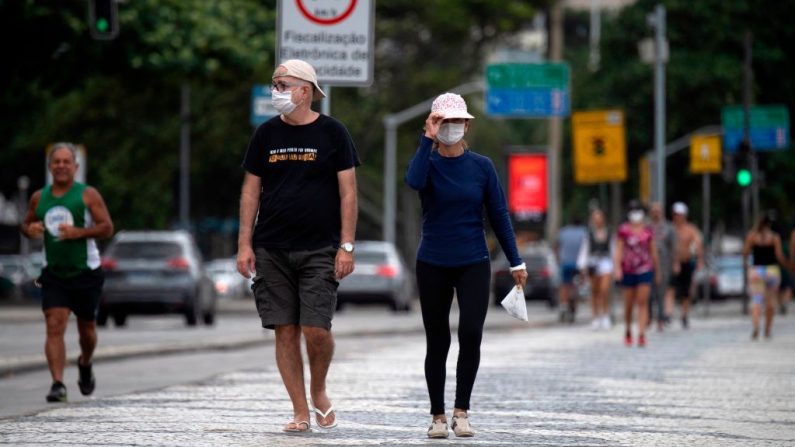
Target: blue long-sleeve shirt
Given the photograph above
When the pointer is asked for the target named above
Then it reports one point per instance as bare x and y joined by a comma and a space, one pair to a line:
453, 192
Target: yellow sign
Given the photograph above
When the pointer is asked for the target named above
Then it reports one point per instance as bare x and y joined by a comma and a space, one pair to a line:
600, 149
645, 179
705, 154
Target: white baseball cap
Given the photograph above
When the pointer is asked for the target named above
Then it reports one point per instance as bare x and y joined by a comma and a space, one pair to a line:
680, 208
301, 70
451, 106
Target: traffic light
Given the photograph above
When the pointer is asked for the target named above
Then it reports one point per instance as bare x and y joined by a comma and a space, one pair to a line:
742, 165
103, 19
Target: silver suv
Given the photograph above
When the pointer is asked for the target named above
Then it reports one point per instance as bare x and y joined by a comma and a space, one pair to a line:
155, 272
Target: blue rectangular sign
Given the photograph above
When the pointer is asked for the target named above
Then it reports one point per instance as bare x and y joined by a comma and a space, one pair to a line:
536, 102
761, 139
261, 107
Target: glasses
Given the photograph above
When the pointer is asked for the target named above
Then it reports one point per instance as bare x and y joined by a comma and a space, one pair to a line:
282, 86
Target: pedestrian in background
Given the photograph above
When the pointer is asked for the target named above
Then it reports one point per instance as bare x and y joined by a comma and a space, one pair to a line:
300, 183
597, 250
689, 255
455, 186
69, 216
665, 240
764, 275
636, 253
567, 248
785, 289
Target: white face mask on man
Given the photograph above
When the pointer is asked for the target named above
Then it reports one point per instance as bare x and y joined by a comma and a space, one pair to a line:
283, 102
451, 133
636, 216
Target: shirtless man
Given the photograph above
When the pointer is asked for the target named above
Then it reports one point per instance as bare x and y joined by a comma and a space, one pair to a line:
689, 255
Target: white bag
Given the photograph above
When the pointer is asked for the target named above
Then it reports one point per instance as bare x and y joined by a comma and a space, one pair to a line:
515, 304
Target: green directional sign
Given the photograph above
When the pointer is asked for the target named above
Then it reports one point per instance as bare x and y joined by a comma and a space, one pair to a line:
516, 75
769, 127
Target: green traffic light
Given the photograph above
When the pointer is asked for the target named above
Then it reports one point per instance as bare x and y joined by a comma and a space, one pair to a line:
102, 25
743, 177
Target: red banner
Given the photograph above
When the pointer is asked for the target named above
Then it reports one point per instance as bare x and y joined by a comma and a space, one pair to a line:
527, 184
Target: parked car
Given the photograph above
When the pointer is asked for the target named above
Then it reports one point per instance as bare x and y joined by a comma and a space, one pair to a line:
543, 275
18, 274
725, 275
380, 275
155, 272
228, 282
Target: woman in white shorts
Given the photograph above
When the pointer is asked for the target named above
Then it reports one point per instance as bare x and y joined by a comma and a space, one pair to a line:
596, 256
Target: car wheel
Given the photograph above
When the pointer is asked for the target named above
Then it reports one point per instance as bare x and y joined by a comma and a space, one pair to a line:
120, 319
209, 317
190, 311
102, 317
400, 307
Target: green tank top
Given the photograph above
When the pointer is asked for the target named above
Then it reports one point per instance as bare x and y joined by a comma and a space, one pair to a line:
66, 258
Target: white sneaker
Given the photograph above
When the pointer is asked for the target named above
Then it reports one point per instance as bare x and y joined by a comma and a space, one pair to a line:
596, 324
606, 324
438, 429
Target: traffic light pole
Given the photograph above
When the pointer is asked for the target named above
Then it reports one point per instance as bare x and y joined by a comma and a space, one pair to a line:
659, 100
748, 75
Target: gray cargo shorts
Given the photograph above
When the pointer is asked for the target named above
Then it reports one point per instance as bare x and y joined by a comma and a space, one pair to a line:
295, 287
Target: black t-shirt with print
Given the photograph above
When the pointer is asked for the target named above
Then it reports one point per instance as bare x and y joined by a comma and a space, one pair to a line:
300, 203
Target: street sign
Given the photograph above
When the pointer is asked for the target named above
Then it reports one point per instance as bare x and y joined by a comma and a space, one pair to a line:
769, 127
335, 36
600, 152
527, 186
527, 90
261, 107
705, 154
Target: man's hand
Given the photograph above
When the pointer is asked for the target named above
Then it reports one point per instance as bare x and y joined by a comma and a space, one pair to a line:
343, 264
35, 230
246, 261
66, 232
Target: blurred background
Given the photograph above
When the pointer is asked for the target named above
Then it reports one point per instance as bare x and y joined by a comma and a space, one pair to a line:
182, 68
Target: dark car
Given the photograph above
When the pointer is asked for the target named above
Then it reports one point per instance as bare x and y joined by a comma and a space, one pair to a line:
543, 277
379, 276
155, 272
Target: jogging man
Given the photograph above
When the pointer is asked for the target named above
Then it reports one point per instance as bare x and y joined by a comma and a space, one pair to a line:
570, 239
69, 216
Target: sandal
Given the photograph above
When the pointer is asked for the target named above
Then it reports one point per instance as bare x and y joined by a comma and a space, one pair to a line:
297, 427
438, 429
461, 426
324, 416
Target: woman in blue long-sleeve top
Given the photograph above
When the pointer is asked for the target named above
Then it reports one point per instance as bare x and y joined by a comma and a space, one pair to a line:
455, 186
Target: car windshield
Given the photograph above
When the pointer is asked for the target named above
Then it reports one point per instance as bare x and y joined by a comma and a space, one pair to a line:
371, 257
145, 250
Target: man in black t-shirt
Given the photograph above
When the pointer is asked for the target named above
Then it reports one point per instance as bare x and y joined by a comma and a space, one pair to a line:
300, 184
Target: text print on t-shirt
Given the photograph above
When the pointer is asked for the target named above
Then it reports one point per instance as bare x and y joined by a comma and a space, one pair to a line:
292, 154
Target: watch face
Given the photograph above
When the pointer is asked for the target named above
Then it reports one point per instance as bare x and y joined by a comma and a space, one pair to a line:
347, 246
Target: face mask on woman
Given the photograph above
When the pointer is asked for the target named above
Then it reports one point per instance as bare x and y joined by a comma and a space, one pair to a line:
636, 216
283, 102
450, 133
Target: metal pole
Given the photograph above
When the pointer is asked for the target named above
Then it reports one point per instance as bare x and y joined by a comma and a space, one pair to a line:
23, 183
390, 189
325, 103
555, 129
706, 234
748, 80
595, 35
184, 158
659, 101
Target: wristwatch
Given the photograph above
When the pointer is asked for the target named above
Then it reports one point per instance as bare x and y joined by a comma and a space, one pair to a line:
347, 247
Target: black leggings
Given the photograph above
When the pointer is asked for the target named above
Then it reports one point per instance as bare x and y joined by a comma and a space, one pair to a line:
436, 284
